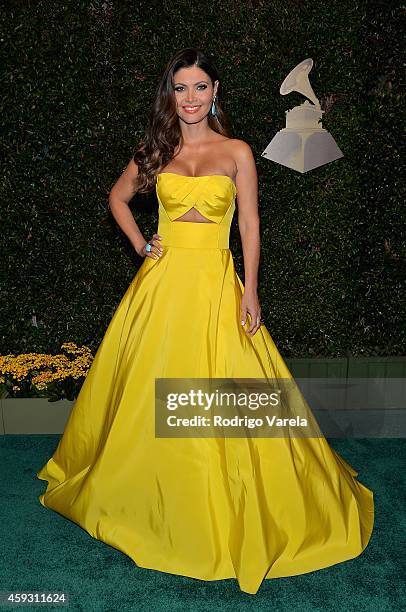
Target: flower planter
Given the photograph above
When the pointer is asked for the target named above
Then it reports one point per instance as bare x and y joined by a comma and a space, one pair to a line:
318, 367
33, 415
381, 367
39, 416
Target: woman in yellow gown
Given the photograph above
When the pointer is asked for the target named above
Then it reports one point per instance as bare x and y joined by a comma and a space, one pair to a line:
207, 508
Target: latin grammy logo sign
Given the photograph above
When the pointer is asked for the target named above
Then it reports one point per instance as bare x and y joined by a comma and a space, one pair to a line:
303, 144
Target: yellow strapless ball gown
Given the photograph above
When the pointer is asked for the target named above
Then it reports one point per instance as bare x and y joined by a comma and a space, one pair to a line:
207, 508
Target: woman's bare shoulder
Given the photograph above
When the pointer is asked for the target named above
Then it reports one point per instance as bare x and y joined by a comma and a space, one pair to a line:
241, 150
240, 145
242, 154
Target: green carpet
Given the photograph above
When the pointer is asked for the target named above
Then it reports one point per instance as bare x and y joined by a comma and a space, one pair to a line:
43, 551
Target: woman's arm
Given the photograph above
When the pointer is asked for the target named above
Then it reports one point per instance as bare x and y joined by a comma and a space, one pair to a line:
248, 223
119, 197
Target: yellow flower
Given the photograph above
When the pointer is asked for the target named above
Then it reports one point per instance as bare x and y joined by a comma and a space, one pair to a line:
41, 368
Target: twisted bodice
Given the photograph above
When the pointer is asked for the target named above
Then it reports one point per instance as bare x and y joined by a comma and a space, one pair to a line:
213, 196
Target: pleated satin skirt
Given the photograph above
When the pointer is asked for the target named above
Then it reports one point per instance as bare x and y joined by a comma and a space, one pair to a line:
207, 508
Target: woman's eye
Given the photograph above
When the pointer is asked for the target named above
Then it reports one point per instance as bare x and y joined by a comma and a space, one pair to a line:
180, 88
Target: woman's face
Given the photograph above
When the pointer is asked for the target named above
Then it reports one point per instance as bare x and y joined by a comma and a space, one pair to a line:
194, 93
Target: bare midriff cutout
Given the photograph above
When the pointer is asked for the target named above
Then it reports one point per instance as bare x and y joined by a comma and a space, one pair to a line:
193, 215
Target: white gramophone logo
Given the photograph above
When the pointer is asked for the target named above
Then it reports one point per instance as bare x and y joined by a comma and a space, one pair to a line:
303, 144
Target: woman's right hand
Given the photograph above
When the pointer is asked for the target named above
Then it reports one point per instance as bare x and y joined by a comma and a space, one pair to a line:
156, 250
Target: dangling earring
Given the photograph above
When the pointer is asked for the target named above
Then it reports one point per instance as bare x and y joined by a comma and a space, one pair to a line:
213, 107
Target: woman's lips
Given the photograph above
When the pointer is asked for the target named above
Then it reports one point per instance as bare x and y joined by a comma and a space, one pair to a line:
191, 109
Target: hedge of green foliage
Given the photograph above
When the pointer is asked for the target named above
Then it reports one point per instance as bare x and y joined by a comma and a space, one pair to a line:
78, 81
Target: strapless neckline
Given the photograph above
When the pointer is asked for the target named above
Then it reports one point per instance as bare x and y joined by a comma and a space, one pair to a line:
201, 176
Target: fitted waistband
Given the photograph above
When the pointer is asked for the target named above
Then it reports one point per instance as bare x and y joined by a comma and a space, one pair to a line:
190, 235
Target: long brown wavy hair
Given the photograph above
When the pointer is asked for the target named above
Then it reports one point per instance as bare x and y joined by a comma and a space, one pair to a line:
163, 133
